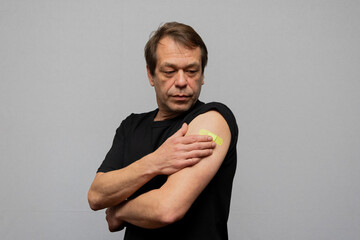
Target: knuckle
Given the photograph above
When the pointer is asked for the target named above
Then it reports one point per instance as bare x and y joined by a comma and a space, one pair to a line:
188, 155
194, 154
192, 139
190, 161
172, 140
177, 148
196, 145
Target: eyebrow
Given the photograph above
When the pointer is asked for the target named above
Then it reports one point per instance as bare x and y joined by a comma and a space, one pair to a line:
166, 64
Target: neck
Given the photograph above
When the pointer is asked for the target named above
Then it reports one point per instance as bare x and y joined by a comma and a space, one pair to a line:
161, 116
166, 113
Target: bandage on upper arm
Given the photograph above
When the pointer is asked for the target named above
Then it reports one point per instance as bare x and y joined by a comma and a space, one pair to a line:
218, 140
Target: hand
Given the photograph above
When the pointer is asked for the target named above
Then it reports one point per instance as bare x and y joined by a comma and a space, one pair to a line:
114, 223
180, 151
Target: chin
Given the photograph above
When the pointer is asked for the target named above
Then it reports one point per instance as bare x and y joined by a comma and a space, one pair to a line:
181, 107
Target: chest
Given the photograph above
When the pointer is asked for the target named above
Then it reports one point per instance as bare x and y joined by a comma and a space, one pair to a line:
143, 140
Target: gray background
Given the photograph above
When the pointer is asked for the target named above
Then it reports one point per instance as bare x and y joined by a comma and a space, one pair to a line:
70, 71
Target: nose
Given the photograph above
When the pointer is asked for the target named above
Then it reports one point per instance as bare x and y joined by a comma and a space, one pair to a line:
180, 80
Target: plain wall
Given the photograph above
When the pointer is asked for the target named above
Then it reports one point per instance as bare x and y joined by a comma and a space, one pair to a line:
70, 71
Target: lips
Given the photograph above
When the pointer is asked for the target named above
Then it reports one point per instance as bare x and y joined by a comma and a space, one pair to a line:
181, 97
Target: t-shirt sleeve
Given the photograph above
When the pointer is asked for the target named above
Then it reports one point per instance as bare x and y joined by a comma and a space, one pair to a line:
225, 112
114, 157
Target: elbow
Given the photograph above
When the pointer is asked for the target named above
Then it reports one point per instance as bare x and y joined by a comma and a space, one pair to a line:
168, 219
170, 214
94, 201
171, 210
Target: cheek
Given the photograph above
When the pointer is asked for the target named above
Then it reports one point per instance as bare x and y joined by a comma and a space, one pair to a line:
163, 87
196, 84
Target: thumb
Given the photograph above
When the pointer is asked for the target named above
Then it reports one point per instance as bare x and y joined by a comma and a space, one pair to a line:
182, 131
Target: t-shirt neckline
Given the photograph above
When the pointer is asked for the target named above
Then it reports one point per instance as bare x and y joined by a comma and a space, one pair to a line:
168, 122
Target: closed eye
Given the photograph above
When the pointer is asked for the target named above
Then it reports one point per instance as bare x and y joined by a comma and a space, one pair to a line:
192, 72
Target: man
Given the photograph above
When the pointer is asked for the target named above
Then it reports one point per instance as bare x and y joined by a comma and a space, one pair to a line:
169, 172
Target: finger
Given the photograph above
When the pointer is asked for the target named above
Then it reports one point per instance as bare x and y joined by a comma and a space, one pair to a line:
182, 131
199, 153
198, 146
196, 138
187, 163
192, 161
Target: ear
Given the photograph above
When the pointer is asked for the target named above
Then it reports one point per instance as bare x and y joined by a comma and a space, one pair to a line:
202, 79
150, 77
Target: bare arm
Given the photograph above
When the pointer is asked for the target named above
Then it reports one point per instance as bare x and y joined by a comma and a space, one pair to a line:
112, 188
168, 204
177, 152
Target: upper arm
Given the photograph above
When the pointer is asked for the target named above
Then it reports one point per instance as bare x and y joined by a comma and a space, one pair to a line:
183, 187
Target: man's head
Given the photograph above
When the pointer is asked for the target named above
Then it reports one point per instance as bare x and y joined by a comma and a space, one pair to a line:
183, 34
176, 57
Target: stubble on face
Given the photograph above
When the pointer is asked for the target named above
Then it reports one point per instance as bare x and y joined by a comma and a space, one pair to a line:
178, 78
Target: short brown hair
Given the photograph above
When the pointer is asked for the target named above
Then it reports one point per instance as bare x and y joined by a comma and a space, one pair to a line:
180, 33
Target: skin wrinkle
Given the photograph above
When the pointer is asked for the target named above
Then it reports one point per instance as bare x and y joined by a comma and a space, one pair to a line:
179, 81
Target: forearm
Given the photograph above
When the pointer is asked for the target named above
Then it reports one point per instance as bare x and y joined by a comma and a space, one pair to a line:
170, 203
111, 188
146, 211
166, 205
177, 152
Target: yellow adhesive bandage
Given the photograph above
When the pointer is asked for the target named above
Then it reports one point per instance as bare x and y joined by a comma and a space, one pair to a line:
218, 140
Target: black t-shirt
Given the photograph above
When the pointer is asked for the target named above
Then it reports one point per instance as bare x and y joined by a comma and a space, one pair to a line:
139, 135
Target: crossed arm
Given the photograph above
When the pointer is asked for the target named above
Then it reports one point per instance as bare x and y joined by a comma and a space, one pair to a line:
187, 179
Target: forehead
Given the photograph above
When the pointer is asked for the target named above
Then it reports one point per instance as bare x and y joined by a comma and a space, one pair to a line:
169, 51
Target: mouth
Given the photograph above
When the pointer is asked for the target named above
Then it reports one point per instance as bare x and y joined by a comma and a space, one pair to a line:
180, 97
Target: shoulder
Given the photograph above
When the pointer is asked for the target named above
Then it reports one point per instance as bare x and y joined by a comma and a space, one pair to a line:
139, 116
135, 119
211, 121
213, 106
223, 110
214, 113
209, 118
